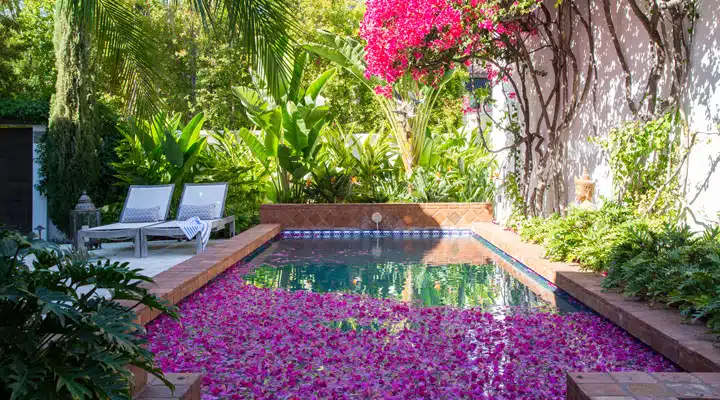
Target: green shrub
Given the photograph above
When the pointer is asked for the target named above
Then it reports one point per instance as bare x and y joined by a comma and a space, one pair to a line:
429, 186
65, 173
640, 154
227, 160
63, 333
584, 236
672, 265
290, 124
330, 185
160, 151
25, 111
644, 257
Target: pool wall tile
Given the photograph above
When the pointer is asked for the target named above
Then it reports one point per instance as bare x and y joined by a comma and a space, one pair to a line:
395, 216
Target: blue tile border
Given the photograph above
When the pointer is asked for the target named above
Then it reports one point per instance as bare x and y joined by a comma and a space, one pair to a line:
354, 233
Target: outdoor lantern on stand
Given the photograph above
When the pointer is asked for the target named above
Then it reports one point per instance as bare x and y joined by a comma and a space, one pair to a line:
84, 216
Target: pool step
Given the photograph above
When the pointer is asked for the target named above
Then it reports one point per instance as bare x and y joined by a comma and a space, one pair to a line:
187, 387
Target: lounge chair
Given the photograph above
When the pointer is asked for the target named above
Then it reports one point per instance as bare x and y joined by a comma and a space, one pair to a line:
197, 198
144, 206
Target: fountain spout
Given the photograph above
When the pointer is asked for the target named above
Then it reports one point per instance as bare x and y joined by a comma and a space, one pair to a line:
377, 218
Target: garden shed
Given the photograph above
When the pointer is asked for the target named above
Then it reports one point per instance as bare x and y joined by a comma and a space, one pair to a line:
22, 206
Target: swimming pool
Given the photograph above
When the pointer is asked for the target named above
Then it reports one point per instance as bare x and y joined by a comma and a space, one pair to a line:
425, 270
342, 315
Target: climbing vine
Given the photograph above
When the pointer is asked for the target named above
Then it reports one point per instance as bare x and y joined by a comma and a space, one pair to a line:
529, 48
643, 159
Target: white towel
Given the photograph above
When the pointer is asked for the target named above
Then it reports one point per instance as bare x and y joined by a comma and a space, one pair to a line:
194, 226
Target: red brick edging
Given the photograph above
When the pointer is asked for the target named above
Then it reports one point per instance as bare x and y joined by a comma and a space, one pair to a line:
185, 278
190, 275
688, 345
637, 385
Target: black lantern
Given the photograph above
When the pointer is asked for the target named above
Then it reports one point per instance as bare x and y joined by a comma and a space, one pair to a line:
84, 216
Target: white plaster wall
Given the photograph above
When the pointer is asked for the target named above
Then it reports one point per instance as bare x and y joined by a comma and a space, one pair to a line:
702, 107
606, 106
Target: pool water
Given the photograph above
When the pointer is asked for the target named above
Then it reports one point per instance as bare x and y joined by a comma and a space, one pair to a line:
388, 318
424, 271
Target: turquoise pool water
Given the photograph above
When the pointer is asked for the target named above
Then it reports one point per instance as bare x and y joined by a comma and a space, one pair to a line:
458, 271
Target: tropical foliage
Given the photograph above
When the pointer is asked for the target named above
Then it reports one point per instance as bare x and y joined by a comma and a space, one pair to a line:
226, 159
63, 331
640, 155
290, 123
160, 151
406, 105
645, 257
585, 236
672, 265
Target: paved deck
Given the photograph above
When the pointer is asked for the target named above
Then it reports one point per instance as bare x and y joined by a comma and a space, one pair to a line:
163, 254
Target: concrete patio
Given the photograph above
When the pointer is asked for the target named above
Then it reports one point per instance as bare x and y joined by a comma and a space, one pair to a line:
162, 254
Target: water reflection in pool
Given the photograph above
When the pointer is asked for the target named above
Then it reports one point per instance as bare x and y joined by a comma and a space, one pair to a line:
455, 271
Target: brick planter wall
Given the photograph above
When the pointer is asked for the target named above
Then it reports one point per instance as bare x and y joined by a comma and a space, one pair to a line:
395, 216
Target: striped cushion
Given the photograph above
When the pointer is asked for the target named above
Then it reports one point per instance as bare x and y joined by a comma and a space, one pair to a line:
141, 215
187, 211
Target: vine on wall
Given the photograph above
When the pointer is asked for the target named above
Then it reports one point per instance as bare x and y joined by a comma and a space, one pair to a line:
530, 48
644, 158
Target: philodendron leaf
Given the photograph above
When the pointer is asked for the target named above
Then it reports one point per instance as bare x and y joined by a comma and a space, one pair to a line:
191, 132
69, 381
56, 303
172, 151
8, 247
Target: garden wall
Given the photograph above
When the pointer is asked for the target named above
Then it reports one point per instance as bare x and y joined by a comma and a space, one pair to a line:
606, 106
395, 216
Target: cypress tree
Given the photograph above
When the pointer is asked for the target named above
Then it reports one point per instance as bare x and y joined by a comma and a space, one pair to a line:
69, 156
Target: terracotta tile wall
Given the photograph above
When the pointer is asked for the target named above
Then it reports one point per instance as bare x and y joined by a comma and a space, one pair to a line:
395, 216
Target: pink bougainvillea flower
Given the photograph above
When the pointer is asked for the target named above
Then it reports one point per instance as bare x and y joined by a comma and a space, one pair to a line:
424, 38
385, 91
259, 343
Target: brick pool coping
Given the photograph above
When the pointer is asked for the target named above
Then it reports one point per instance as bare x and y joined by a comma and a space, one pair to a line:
178, 282
688, 345
642, 385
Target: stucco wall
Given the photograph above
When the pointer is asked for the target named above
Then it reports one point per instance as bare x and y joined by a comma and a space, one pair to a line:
606, 106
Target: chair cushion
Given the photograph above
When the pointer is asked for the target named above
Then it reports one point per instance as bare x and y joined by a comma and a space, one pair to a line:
204, 211
151, 214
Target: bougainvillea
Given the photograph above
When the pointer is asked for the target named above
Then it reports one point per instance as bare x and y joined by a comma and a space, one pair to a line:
264, 343
425, 37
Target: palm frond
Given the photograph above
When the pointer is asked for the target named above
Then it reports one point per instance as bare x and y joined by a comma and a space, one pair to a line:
265, 28
134, 59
